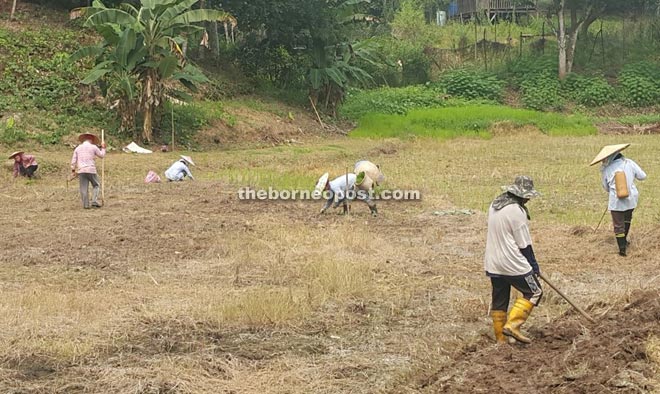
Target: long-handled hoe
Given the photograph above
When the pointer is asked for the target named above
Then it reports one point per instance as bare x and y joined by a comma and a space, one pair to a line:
577, 308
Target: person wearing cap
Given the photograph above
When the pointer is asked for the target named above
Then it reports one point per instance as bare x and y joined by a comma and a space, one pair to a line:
179, 170
337, 192
509, 260
24, 165
621, 207
83, 163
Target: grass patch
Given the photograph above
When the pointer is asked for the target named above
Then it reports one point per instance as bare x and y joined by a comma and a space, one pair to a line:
468, 121
639, 119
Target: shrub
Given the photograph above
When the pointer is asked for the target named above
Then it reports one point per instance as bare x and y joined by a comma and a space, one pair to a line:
389, 101
473, 85
640, 83
542, 92
589, 91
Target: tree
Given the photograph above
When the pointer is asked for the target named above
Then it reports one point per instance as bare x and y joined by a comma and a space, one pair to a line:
141, 50
582, 14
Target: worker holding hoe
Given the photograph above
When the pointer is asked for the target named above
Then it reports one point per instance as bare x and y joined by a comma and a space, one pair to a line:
618, 175
509, 260
83, 162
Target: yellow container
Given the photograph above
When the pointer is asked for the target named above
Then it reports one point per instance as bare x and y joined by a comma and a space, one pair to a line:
621, 184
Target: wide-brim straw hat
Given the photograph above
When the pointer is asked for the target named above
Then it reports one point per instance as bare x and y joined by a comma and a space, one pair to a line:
20, 152
323, 180
187, 159
608, 151
523, 187
88, 136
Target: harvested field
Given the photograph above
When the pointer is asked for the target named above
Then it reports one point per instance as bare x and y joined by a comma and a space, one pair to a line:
184, 288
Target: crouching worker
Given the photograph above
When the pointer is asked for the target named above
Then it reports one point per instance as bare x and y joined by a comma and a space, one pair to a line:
509, 260
179, 170
337, 190
24, 165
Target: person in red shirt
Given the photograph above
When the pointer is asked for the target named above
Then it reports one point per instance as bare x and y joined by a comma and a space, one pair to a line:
24, 165
82, 162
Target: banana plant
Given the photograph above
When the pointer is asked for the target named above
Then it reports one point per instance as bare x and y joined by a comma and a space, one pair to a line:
141, 50
333, 67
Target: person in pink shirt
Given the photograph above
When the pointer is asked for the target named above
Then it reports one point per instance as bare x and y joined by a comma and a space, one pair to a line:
24, 165
83, 163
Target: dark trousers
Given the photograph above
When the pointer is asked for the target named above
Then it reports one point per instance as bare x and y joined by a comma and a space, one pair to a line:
528, 285
27, 171
621, 221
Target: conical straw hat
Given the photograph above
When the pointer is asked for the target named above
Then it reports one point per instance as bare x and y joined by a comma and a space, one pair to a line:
323, 180
608, 151
188, 159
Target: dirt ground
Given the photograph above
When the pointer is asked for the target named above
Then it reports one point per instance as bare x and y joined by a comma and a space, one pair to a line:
184, 288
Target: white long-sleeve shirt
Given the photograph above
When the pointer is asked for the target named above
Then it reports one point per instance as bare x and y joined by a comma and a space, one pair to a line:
632, 171
338, 189
178, 171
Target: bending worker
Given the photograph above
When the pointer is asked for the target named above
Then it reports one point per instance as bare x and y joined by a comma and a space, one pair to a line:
179, 170
618, 176
509, 260
341, 189
24, 165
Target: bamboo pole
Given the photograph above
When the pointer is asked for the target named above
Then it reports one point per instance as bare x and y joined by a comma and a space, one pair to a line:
103, 170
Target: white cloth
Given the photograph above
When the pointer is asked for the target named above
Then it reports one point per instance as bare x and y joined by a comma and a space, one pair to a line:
135, 148
632, 171
508, 232
178, 171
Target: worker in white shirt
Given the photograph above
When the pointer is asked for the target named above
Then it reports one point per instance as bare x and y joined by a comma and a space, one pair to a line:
509, 260
342, 189
623, 197
179, 170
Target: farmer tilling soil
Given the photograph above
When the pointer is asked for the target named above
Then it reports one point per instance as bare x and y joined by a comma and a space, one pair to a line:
510, 261
618, 175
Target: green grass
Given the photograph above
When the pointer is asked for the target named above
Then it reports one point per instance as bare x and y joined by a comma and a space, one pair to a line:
468, 121
639, 119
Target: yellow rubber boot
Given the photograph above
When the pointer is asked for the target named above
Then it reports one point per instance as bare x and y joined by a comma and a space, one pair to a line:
499, 318
517, 316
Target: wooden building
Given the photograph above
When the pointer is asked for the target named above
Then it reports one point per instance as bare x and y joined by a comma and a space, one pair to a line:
491, 9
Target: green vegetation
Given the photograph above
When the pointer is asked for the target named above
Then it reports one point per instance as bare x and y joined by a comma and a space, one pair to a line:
468, 121
473, 85
390, 101
141, 51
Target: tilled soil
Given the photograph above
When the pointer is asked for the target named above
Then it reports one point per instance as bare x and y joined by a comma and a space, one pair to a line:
568, 355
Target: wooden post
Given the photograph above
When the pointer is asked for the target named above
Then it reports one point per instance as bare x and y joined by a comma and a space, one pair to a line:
13, 10
172, 104
476, 40
103, 169
346, 200
316, 112
485, 55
